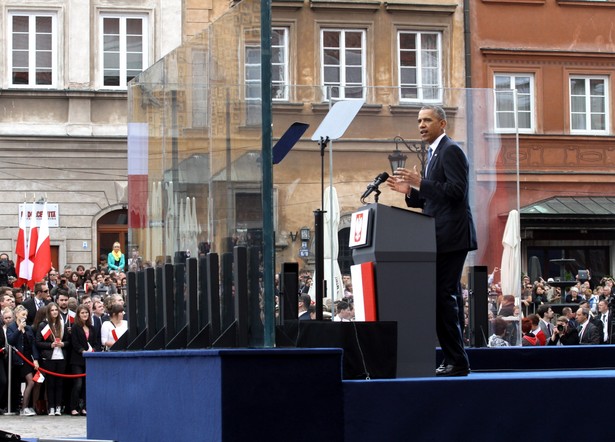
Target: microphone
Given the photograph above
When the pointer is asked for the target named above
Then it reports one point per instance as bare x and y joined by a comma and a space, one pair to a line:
374, 184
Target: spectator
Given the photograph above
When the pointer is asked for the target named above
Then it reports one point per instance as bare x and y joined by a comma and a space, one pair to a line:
572, 322
529, 339
52, 340
344, 312
18, 295
545, 313
573, 296
304, 304
115, 327
41, 292
83, 339
6, 300
563, 333
536, 330
21, 337
507, 307
7, 270
499, 330
116, 259
588, 333
604, 321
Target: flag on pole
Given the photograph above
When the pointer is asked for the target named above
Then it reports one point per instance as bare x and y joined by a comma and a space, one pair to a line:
22, 265
71, 316
32, 244
46, 332
42, 259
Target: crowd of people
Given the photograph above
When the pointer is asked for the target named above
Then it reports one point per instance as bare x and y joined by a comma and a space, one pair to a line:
47, 330
341, 310
551, 313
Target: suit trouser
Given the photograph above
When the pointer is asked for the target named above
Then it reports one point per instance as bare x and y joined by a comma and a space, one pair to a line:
449, 267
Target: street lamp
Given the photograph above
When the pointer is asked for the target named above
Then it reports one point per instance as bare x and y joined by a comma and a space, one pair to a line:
398, 159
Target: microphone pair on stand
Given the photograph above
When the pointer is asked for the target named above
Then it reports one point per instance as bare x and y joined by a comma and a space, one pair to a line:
373, 186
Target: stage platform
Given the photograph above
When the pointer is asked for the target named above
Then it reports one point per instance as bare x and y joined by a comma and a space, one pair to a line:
299, 395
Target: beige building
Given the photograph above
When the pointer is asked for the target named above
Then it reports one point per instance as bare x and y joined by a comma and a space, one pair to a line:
64, 69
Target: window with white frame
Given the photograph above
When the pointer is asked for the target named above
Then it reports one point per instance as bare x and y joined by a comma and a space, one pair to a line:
252, 81
589, 112
343, 63
279, 64
505, 87
32, 54
420, 66
124, 48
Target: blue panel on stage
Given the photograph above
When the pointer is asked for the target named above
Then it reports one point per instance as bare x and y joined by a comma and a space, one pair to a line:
288, 140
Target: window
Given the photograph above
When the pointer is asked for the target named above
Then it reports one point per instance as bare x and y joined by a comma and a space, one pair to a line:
33, 51
343, 63
253, 84
588, 105
505, 104
420, 66
124, 48
279, 64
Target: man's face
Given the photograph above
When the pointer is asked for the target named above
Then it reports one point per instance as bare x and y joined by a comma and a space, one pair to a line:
99, 308
581, 318
63, 302
88, 303
18, 297
7, 301
603, 307
430, 126
67, 272
549, 313
53, 275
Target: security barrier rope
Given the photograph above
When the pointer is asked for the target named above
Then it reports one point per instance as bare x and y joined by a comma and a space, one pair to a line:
61, 375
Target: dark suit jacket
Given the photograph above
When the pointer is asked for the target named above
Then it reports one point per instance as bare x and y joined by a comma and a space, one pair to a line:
30, 305
444, 195
305, 316
601, 327
79, 343
17, 340
591, 334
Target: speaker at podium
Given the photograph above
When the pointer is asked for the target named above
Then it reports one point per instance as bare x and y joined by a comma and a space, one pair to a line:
401, 247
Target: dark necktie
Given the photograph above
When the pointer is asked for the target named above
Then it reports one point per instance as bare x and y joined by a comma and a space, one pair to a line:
429, 155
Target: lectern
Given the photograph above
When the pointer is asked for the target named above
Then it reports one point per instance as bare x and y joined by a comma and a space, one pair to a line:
402, 246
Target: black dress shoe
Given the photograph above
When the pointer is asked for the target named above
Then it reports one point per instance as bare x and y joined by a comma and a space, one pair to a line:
452, 370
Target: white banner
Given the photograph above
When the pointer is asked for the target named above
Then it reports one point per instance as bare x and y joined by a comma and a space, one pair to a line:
36, 209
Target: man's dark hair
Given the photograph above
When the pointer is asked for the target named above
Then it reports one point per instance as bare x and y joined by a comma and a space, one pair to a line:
542, 309
306, 300
437, 109
342, 305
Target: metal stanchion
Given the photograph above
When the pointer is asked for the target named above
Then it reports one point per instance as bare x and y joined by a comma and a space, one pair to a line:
10, 382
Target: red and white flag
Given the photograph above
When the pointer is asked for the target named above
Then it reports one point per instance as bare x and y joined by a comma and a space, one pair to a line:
42, 259
23, 264
38, 377
114, 334
71, 316
46, 332
32, 243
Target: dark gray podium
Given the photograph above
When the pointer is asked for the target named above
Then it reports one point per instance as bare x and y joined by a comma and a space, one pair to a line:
402, 244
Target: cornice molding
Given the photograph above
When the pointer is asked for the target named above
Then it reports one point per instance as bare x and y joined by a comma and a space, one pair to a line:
344, 5
421, 8
541, 53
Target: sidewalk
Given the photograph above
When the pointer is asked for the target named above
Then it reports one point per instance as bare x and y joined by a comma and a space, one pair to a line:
35, 427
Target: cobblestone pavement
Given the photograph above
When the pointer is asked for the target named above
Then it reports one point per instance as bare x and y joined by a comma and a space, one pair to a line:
41, 427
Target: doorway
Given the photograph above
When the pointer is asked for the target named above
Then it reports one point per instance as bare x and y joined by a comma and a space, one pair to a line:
111, 227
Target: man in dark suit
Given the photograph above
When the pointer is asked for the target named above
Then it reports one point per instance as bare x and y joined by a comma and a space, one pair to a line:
588, 332
443, 194
604, 321
304, 304
41, 293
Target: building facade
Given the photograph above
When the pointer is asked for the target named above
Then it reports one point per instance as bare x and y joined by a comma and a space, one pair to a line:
560, 58
64, 69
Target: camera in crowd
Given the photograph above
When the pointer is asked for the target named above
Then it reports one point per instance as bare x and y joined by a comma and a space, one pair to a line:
560, 328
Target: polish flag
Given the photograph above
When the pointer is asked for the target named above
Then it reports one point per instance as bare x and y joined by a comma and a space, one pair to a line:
23, 264
114, 334
46, 332
42, 259
32, 243
71, 316
38, 377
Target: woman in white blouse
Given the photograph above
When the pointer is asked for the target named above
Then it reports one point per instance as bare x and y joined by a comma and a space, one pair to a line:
113, 329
